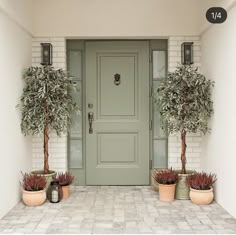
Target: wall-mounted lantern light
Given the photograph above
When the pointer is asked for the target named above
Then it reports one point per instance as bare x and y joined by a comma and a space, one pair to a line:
46, 54
187, 53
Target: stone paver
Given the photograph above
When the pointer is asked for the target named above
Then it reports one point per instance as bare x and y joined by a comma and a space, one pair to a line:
118, 209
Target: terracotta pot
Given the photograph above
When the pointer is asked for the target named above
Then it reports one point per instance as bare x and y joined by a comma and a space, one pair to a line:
153, 181
167, 192
65, 191
201, 197
34, 198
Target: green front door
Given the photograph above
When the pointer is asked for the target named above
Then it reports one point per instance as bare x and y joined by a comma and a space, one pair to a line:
117, 104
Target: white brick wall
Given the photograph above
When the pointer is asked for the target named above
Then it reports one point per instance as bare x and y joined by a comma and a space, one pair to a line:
58, 146
194, 141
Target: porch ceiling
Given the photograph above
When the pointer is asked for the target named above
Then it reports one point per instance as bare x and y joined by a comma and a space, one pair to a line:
123, 18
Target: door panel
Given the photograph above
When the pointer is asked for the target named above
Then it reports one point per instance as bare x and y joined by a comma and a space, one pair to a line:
117, 152
122, 149
124, 93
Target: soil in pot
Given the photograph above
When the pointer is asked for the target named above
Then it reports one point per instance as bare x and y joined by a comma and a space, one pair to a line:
167, 192
182, 189
48, 176
201, 197
34, 198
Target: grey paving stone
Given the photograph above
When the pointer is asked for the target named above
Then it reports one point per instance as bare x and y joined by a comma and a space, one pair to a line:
117, 209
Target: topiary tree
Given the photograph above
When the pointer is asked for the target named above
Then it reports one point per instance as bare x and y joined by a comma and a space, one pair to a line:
46, 104
184, 99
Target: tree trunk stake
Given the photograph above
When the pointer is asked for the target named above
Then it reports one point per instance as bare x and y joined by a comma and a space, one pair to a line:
183, 151
46, 138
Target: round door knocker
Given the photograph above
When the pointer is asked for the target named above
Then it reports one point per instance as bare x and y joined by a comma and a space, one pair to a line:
117, 79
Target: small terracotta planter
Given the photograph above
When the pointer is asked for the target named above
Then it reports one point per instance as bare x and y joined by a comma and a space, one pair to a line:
65, 191
201, 197
34, 198
167, 192
154, 183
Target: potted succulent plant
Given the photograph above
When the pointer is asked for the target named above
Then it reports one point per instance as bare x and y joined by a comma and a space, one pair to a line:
65, 180
46, 105
201, 187
33, 189
184, 100
166, 180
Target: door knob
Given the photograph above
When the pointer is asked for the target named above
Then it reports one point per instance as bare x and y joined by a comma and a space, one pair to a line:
90, 119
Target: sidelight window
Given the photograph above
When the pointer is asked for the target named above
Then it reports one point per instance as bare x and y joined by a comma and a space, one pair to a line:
160, 140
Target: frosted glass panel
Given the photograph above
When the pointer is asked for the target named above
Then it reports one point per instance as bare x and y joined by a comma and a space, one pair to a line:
75, 64
76, 130
160, 154
75, 156
157, 130
159, 64
75, 136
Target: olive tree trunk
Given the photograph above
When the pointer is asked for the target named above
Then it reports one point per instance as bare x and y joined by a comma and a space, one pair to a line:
183, 151
46, 138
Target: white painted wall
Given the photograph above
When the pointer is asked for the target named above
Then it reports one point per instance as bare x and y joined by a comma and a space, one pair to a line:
15, 48
219, 64
119, 18
206, 4
19, 11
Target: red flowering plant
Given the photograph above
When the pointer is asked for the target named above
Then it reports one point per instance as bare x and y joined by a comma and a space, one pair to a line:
166, 177
201, 180
32, 182
64, 179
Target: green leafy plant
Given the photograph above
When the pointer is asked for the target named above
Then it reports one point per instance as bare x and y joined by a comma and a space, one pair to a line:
46, 104
166, 177
64, 179
32, 182
201, 181
184, 100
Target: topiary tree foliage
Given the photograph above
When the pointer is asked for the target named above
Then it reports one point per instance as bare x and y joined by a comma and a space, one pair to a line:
46, 104
184, 99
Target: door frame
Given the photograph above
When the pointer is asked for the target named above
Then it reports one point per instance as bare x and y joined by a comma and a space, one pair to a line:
79, 44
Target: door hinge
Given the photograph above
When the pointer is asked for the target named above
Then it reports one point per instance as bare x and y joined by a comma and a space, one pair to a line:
150, 125
151, 91
150, 163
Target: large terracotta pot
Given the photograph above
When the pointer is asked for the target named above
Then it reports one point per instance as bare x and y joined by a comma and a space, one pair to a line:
48, 176
201, 197
65, 191
167, 192
34, 198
